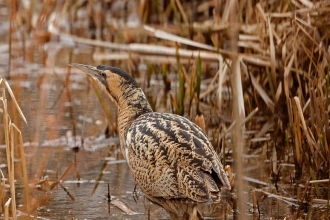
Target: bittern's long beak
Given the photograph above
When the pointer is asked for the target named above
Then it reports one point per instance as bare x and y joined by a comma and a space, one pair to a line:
90, 70
95, 73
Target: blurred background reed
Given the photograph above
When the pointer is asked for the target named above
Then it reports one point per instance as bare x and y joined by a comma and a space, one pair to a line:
254, 74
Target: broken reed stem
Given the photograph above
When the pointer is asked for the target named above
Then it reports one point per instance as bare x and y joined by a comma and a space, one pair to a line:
14, 100
25, 177
7, 209
320, 181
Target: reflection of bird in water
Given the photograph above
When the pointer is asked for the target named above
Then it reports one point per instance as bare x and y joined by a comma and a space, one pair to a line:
170, 157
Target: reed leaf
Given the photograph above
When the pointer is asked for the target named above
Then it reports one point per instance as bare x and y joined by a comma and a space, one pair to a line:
198, 82
181, 91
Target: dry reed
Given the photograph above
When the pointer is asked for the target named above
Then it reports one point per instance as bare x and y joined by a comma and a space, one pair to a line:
10, 133
272, 57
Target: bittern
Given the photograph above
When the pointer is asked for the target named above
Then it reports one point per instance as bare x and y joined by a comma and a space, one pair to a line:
169, 157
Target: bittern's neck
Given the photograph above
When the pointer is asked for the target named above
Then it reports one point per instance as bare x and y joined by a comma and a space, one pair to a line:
131, 104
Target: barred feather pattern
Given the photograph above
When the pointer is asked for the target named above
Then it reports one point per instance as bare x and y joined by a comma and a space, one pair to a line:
135, 104
170, 157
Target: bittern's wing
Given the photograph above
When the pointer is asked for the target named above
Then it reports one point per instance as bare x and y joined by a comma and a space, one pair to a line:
171, 157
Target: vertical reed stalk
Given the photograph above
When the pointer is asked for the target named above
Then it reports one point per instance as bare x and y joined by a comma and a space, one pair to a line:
11, 168
238, 110
12, 13
238, 141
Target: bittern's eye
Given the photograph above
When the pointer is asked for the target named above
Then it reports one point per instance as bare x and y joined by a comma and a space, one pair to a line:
103, 74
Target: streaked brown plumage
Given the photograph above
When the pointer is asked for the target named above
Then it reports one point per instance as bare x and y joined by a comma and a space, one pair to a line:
169, 156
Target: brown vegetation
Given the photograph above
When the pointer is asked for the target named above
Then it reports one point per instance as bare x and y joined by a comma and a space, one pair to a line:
269, 60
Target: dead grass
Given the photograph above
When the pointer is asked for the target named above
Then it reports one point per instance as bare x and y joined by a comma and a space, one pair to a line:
271, 57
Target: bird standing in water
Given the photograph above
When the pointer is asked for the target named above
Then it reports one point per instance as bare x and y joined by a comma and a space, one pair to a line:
170, 157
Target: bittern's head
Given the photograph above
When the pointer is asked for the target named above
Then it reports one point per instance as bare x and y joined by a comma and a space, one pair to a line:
114, 81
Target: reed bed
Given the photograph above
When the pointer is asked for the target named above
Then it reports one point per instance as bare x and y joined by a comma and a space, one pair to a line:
257, 71
13, 139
